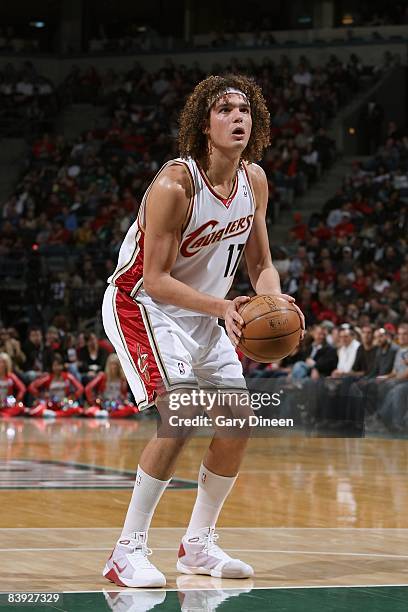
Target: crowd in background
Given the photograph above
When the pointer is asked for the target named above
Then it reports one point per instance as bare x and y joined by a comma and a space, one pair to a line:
61, 375
61, 230
343, 374
348, 263
28, 100
351, 260
347, 266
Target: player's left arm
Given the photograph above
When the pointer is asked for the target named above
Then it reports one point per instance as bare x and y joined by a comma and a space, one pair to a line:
263, 275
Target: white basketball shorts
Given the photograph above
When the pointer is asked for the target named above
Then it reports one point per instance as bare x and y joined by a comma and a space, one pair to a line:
159, 353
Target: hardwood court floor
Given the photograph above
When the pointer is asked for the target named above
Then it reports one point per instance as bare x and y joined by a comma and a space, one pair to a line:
304, 512
72, 559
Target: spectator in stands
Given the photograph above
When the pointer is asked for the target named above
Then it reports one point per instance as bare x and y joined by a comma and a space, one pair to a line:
108, 394
393, 410
70, 356
12, 347
38, 356
92, 358
52, 339
385, 354
43, 148
347, 351
399, 369
54, 390
371, 121
302, 76
319, 359
12, 389
366, 352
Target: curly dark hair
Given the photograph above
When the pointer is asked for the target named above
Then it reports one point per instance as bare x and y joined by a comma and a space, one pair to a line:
195, 116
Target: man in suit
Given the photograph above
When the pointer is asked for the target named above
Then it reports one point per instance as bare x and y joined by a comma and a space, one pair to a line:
319, 359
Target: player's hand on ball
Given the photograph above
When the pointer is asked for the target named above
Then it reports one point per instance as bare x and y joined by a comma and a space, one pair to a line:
291, 299
233, 320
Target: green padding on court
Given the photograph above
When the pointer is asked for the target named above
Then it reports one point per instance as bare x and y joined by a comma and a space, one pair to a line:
356, 599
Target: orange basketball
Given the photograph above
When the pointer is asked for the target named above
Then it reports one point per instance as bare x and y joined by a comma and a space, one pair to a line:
272, 328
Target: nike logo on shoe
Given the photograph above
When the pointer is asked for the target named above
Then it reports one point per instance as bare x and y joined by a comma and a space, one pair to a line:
120, 569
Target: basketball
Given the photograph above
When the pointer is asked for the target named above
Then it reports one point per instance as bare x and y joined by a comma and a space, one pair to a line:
272, 328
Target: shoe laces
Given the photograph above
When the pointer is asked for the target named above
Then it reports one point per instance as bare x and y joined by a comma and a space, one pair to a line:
210, 546
140, 549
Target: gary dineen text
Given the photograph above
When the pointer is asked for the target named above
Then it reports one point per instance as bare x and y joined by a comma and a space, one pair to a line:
223, 421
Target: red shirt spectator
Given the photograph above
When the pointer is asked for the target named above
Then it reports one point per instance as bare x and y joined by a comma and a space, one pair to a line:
43, 148
299, 230
109, 385
58, 384
10, 384
322, 232
103, 219
59, 235
102, 387
327, 314
360, 285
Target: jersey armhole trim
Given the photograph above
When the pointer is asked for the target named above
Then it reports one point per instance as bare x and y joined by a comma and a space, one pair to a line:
251, 187
191, 201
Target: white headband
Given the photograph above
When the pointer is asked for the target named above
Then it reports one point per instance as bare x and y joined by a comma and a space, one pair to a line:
229, 90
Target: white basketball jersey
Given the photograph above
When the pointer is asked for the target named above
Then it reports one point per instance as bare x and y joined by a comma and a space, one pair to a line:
212, 243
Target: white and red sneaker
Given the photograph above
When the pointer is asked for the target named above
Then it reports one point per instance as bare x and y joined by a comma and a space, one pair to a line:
200, 593
129, 565
199, 554
134, 601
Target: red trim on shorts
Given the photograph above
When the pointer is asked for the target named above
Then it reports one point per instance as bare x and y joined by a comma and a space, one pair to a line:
138, 344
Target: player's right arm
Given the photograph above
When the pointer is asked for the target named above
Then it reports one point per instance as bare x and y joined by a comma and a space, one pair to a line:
166, 211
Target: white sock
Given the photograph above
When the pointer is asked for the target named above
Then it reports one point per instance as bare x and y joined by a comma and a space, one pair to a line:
212, 492
145, 497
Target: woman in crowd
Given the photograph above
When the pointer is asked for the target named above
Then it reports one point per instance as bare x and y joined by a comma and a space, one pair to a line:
107, 393
92, 358
56, 393
11, 389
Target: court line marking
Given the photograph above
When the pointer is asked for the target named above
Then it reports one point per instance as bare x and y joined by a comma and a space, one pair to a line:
245, 591
326, 472
244, 550
131, 591
386, 529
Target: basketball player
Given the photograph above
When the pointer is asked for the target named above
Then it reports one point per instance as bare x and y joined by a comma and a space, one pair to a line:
201, 212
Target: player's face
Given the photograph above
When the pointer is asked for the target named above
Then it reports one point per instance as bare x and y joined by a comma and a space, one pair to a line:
230, 123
